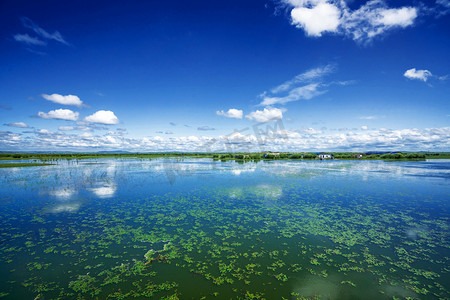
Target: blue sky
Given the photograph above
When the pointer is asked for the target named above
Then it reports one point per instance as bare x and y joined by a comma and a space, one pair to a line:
313, 75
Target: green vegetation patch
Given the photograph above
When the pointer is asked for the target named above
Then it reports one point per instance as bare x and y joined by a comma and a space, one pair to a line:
18, 165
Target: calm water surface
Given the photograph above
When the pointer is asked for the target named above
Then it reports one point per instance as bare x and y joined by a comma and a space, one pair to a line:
193, 228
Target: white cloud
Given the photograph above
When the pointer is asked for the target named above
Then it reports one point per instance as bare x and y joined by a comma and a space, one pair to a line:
56, 36
85, 135
311, 131
161, 132
418, 74
60, 114
205, 128
364, 127
373, 18
9, 139
266, 115
317, 19
410, 139
44, 131
17, 124
66, 128
402, 17
312, 74
231, 113
106, 117
442, 7
445, 3
29, 40
304, 86
300, 93
65, 100
368, 117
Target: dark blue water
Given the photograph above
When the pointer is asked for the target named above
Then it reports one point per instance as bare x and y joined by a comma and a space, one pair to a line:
193, 228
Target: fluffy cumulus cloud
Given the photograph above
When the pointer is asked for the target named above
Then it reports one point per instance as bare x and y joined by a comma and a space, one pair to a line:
60, 114
322, 17
106, 117
417, 74
17, 124
64, 100
231, 113
266, 115
371, 19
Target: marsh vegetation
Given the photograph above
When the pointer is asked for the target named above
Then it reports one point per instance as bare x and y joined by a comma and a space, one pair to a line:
120, 228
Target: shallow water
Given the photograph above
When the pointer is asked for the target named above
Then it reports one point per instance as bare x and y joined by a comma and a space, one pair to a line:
192, 228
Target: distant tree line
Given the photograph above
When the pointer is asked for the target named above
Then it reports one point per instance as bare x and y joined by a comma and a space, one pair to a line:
229, 156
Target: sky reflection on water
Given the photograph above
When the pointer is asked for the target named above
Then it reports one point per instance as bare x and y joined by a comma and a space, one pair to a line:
272, 228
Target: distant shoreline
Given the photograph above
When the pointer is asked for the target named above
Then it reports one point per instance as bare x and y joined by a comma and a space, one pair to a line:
238, 156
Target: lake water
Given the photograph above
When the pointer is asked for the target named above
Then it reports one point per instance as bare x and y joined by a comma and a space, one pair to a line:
193, 228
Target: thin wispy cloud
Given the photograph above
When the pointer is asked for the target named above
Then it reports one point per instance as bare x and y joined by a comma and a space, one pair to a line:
304, 86
374, 18
441, 8
205, 128
369, 117
165, 132
66, 128
17, 124
56, 36
300, 93
29, 40
312, 74
40, 36
42, 53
